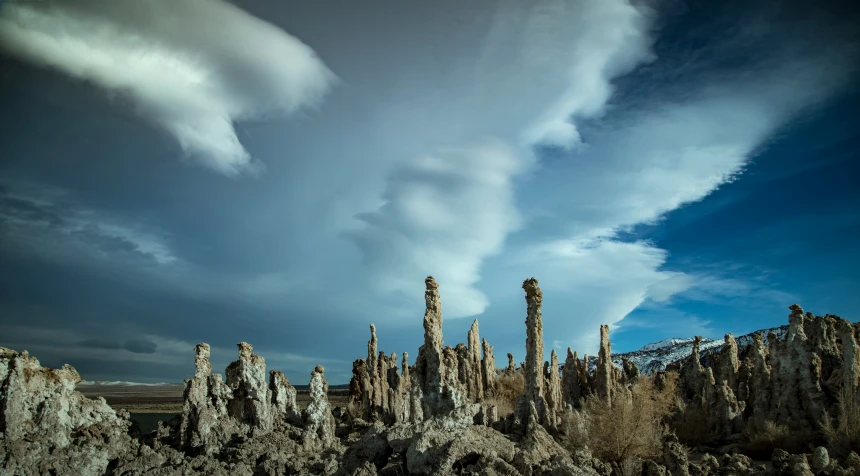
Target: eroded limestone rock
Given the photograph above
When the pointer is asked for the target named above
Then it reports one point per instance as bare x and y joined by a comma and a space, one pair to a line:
488, 368
603, 372
49, 428
428, 365
474, 378
205, 424
318, 421
554, 400
250, 405
283, 397
534, 391
570, 384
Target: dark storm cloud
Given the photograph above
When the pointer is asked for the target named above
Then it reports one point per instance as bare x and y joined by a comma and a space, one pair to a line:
138, 346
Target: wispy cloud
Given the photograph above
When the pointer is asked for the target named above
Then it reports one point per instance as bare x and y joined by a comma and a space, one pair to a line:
539, 65
184, 75
443, 215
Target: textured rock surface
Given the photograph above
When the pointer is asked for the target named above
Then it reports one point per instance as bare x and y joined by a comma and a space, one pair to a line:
512, 367
729, 363
488, 368
554, 401
570, 383
283, 397
428, 365
532, 370
251, 403
319, 423
205, 426
49, 428
603, 373
474, 371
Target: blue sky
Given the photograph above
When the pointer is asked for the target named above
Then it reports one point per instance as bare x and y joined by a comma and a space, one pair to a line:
669, 168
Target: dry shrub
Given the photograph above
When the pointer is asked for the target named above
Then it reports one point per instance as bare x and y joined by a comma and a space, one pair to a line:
762, 438
843, 434
628, 430
508, 388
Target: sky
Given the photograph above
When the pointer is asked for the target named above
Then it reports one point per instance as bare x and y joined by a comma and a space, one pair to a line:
287, 173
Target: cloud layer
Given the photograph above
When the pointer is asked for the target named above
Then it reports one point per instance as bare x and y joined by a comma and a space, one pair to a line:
185, 75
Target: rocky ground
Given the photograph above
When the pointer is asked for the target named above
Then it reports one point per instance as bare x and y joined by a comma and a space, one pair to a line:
784, 405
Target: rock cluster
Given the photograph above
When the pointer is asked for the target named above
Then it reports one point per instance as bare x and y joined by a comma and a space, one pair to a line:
792, 382
442, 379
434, 417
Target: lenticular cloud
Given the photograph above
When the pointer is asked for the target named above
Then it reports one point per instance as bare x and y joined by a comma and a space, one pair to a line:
185, 76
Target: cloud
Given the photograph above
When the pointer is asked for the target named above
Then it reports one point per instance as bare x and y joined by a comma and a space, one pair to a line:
442, 216
615, 39
46, 221
637, 165
138, 346
183, 75
587, 283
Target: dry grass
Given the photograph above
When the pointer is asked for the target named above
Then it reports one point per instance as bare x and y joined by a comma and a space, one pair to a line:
508, 388
843, 434
628, 430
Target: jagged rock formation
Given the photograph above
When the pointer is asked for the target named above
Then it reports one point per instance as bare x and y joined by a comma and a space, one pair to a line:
488, 368
554, 402
443, 377
205, 426
534, 391
396, 424
791, 381
429, 366
604, 371
250, 404
46, 427
319, 422
283, 397
571, 389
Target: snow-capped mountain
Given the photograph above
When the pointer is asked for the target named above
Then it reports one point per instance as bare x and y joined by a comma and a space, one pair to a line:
658, 355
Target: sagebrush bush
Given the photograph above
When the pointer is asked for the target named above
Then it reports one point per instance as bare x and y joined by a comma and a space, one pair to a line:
764, 437
508, 388
629, 429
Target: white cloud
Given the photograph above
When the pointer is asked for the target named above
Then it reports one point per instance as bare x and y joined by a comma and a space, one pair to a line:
539, 65
612, 38
175, 66
443, 215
